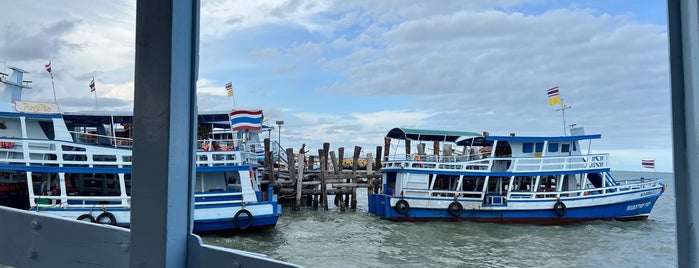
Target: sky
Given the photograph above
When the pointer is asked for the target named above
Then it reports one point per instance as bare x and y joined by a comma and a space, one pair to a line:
346, 72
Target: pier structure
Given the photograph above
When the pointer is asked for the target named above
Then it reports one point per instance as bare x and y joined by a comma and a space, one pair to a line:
315, 177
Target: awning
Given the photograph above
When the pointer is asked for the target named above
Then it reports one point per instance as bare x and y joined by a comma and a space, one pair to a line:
488, 140
429, 135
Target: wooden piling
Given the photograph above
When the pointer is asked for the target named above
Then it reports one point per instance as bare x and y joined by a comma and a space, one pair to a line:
355, 165
268, 161
299, 181
336, 167
341, 157
324, 170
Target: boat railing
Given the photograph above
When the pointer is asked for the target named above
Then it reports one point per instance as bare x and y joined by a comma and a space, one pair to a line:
84, 201
488, 164
61, 153
95, 139
200, 198
542, 194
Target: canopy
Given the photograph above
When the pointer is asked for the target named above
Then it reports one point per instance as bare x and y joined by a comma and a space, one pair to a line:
488, 140
428, 135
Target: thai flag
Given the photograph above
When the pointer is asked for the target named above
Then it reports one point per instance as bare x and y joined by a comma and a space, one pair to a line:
48, 69
648, 163
92, 85
246, 119
552, 92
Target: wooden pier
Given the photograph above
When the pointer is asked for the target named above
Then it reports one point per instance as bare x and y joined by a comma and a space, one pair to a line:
316, 177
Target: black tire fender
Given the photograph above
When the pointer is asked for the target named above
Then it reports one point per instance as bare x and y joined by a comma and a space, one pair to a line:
560, 208
402, 207
455, 208
236, 219
106, 215
86, 217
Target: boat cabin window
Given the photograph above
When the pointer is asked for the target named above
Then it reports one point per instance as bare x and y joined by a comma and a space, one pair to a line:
445, 182
527, 148
390, 186
539, 147
565, 148
553, 147
47, 128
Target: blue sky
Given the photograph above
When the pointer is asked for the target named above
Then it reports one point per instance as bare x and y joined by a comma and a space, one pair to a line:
346, 72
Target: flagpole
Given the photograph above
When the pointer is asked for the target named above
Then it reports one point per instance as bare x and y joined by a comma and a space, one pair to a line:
95, 92
55, 100
96, 108
563, 113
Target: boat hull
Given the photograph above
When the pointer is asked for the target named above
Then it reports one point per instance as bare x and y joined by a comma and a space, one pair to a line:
206, 218
633, 209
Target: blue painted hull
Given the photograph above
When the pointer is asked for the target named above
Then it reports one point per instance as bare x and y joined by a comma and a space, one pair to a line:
223, 224
226, 224
636, 209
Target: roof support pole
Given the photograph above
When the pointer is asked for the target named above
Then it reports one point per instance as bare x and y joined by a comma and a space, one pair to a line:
683, 22
164, 123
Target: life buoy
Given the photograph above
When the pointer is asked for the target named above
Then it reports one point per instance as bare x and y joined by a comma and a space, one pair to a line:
86, 217
236, 219
560, 208
455, 208
106, 218
402, 207
7, 145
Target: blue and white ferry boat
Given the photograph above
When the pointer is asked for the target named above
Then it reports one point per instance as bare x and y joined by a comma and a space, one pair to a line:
78, 166
506, 179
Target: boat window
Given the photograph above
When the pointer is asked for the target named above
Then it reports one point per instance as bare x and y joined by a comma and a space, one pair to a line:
47, 128
553, 147
574, 147
565, 148
527, 147
539, 147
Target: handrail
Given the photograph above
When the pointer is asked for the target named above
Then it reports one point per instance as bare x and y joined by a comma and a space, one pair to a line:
514, 164
464, 195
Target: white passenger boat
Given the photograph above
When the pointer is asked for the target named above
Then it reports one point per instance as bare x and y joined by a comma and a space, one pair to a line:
79, 166
506, 179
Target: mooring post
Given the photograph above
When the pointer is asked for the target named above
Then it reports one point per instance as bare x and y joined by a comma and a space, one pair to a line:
269, 156
355, 165
323, 185
299, 181
341, 157
336, 167
378, 157
291, 163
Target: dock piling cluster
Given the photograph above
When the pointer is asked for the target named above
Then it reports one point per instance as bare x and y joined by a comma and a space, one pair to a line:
317, 176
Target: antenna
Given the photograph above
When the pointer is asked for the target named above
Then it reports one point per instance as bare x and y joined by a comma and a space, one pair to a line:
563, 109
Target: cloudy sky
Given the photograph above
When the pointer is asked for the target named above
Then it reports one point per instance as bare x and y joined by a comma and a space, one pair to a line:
346, 72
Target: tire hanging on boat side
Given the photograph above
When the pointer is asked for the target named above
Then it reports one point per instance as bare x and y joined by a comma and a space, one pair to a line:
86, 217
402, 207
107, 215
560, 208
455, 208
236, 220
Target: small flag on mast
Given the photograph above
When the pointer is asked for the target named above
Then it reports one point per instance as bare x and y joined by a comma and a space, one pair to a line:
554, 97
92, 85
648, 163
48, 69
229, 89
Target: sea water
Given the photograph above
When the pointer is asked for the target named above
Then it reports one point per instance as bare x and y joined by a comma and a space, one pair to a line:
355, 238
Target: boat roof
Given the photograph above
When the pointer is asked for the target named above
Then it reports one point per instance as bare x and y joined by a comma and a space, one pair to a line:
127, 117
428, 135
218, 120
488, 140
